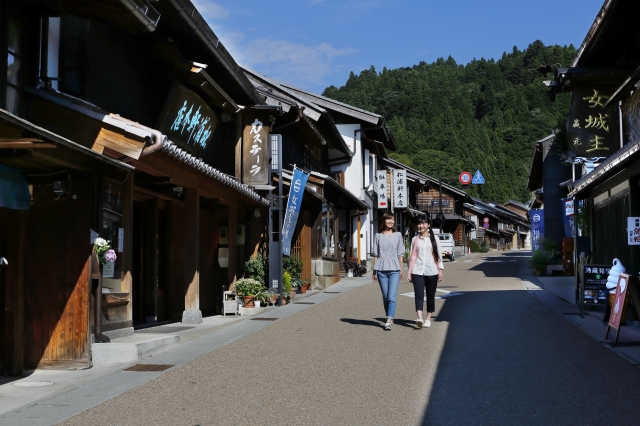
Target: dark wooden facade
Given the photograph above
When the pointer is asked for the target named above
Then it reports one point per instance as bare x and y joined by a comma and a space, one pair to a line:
165, 212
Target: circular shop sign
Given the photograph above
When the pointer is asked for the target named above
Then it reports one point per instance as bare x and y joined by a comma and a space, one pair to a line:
485, 220
465, 178
536, 218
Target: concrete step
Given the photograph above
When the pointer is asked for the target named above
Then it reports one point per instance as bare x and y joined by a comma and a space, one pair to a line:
131, 348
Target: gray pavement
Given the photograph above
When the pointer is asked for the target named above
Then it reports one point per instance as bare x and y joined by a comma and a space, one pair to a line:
498, 353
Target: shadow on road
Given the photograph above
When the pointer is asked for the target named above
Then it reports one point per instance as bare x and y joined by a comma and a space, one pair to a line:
508, 359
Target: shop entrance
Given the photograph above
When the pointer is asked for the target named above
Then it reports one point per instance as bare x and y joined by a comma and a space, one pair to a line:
149, 261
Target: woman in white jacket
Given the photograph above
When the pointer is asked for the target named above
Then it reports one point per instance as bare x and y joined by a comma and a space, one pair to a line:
425, 269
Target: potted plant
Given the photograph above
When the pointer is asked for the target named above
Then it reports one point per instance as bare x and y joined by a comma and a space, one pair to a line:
287, 287
539, 261
248, 288
302, 285
266, 296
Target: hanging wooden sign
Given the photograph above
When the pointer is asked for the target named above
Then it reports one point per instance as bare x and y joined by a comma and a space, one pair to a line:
255, 149
188, 121
592, 130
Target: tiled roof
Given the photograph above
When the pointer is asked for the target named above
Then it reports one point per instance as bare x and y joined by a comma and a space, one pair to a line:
172, 150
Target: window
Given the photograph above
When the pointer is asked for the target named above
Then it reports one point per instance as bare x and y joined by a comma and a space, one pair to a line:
328, 231
74, 33
14, 64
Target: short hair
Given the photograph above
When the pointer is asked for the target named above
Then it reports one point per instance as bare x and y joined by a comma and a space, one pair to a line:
383, 219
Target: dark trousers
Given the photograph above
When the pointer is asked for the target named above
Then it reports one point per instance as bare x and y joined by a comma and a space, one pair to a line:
419, 284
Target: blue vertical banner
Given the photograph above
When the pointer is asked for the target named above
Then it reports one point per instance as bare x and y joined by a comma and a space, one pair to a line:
567, 216
296, 191
537, 227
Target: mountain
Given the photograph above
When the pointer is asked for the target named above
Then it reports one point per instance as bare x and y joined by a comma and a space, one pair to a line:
485, 115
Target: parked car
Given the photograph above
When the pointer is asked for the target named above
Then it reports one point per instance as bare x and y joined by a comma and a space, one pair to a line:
447, 245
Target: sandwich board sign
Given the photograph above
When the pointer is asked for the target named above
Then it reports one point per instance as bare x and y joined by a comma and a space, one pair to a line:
478, 179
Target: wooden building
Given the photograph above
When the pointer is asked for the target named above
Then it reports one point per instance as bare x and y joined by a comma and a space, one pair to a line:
316, 139
121, 125
607, 61
427, 195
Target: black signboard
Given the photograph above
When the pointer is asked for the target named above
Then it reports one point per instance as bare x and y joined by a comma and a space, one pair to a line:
188, 121
595, 283
592, 130
436, 203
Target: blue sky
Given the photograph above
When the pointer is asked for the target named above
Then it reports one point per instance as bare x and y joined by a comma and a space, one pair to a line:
316, 43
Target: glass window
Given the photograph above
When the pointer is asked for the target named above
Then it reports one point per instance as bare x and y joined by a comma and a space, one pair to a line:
13, 67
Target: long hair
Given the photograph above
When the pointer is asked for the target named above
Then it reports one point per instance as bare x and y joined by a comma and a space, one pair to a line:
434, 246
382, 221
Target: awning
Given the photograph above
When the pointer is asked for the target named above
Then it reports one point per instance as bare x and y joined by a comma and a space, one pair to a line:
607, 168
489, 231
14, 190
459, 218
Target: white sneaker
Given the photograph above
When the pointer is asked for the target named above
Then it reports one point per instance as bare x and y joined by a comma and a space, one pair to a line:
419, 323
388, 326
427, 323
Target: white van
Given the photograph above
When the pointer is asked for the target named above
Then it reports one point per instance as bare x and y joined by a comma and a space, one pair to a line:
447, 245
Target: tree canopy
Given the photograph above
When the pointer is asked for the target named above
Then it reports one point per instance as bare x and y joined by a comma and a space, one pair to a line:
485, 115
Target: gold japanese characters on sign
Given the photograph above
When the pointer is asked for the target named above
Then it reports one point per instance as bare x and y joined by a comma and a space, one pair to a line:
591, 127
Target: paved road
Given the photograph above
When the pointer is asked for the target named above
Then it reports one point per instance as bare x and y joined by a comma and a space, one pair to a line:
494, 355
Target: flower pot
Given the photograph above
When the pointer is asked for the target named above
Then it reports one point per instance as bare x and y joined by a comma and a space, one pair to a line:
304, 288
537, 272
292, 293
274, 299
257, 303
248, 301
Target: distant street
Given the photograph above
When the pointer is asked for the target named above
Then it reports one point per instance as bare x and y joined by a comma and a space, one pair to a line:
494, 355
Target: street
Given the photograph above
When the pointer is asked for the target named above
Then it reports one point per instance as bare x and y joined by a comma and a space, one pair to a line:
494, 355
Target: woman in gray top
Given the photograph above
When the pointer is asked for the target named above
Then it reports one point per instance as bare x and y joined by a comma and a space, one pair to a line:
388, 255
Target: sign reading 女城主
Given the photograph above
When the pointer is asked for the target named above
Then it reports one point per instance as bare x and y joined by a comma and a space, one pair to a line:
591, 128
296, 191
537, 227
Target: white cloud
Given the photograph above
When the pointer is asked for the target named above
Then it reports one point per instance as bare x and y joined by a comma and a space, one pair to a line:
210, 10
292, 62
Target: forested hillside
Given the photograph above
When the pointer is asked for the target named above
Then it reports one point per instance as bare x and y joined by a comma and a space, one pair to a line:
485, 115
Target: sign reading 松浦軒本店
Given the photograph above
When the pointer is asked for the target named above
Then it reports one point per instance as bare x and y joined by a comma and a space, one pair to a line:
591, 129
400, 194
296, 191
381, 189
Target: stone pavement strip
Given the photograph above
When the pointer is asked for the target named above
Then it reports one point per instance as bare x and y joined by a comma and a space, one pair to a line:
76, 391
494, 355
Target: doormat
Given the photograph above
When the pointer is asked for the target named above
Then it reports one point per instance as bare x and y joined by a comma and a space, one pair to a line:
149, 367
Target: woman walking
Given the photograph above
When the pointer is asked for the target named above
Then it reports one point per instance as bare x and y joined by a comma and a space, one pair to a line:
425, 269
388, 255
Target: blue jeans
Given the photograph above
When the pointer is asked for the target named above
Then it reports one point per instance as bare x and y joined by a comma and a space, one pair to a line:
389, 281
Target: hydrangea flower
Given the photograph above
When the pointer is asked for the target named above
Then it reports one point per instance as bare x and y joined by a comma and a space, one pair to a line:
110, 255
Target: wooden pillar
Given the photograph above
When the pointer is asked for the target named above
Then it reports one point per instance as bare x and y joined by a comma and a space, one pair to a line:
233, 246
150, 256
192, 313
127, 255
13, 309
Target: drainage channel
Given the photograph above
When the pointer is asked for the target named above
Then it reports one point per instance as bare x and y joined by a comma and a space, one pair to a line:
149, 367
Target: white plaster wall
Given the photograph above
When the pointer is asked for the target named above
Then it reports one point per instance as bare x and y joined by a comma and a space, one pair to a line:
353, 170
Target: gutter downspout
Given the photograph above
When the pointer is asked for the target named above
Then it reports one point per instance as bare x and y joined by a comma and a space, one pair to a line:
159, 138
141, 15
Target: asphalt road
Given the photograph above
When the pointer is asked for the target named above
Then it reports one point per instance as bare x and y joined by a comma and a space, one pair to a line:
494, 355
